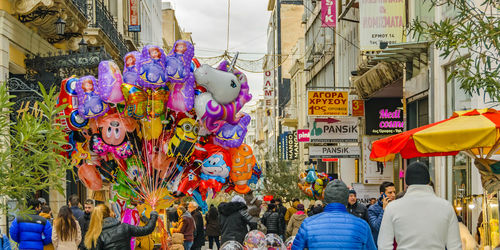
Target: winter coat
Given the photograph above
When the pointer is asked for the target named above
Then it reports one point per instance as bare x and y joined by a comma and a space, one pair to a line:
420, 220
291, 211
358, 210
295, 222
213, 226
84, 222
234, 219
4, 242
335, 228
67, 245
31, 231
77, 212
116, 235
186, 226
375, 214
273, 222
315, 210
199, 239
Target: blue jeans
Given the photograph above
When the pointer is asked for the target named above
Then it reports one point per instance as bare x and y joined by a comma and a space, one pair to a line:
187, 245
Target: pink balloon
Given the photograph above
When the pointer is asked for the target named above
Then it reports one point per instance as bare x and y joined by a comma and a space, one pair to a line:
90, 177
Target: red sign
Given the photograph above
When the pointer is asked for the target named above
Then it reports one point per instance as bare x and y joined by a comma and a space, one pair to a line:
133, 25
328, 13
330, 159
358, 108
303, 135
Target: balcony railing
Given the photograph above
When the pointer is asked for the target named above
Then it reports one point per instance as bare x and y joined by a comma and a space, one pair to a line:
104, 21
81, 5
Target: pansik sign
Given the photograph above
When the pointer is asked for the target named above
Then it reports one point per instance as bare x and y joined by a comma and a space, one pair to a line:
334, 130
384, 116
133, 25
381, 21
320, 152
328, 13
327, 103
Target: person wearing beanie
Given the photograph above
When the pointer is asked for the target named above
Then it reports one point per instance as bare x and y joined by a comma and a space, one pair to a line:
334, 228
234, 219
356, 208
376, 211
420, 219
295, 221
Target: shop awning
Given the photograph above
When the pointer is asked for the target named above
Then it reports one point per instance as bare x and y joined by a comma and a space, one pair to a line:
405, 52
377, 78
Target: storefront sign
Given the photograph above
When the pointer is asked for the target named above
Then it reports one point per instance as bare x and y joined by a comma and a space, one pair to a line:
384, 116
133, 25
327, 103
328, 13
365, 192
358, 108
375, 172
303, 135
320, 152
292, 146
268, 88
381, 21
334, 130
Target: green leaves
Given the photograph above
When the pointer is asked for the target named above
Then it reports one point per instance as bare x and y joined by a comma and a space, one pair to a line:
470, 37
281, 178
30, 153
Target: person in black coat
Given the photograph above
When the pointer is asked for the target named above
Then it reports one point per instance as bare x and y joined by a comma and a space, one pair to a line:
106, 232
272, 220
213, 227
84, 221
199, 239
355, 208
234, 219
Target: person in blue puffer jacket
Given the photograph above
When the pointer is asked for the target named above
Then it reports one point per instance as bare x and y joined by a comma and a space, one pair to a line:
335, 228
31, 231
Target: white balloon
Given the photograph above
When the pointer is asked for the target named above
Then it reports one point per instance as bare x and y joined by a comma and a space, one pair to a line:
224, 86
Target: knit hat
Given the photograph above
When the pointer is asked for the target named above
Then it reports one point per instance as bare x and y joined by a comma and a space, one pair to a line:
336, 192
417, 173
352, 191
238, 198
300, 207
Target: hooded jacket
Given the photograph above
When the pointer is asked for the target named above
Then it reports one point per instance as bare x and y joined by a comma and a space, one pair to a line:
295, 222
335, 228
420, 220
291, 211
359, 210
234, 219
213, 226
116, 235
273, 222
31, 231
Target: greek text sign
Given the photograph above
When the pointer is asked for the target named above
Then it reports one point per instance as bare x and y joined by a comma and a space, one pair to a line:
381, 21
384, 116
334, 130
320, 152
327, 103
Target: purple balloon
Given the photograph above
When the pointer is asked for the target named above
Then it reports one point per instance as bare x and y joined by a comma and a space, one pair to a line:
178, 72
131, 69
152, 67
110, 82
231, 136
90, 104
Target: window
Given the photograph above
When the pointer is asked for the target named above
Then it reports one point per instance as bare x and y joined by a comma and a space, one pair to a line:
456, 98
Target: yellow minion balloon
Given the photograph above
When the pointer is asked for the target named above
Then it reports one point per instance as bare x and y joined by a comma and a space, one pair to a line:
182, 143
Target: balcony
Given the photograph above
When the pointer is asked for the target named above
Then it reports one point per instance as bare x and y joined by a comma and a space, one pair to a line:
103, 31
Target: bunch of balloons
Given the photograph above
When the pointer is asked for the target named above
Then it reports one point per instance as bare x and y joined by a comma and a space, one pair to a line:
161, 128
313, 183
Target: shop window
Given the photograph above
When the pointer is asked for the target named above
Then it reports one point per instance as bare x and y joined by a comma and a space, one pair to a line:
456, 98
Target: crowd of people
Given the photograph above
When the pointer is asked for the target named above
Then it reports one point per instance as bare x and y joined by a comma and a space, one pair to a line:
415, 219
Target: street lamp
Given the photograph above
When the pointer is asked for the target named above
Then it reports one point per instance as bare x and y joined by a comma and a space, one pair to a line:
82, 45
60, 26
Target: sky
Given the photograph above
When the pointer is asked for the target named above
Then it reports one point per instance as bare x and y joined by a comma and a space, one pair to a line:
207, 20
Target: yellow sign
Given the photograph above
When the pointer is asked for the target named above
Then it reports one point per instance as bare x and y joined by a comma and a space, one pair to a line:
327, 103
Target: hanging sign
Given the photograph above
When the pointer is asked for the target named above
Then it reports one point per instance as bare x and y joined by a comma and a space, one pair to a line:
134, 25
375, 172
292, 146
327, 103
358, 108
384, 116
328, 13
320, 152
268, 88
303, 135
334, 129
